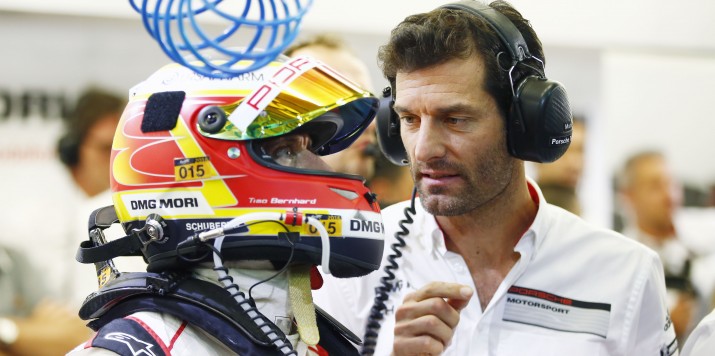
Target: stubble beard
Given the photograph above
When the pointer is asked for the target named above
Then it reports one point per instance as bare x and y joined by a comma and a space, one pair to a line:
490, 177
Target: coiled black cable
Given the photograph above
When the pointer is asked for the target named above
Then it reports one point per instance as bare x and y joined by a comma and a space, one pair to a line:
382, 292
272, 332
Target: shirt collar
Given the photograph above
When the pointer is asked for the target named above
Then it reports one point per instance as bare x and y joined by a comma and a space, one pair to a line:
433, 238
534, 235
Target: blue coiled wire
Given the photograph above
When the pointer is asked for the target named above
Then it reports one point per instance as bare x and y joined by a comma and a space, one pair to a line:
174, 25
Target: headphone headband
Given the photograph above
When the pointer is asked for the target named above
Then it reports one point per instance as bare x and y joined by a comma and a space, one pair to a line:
505, 29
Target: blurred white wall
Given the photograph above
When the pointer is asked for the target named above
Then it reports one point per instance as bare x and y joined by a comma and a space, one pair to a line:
639, 70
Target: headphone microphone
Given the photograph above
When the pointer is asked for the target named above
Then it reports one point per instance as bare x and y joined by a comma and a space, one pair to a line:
68, 149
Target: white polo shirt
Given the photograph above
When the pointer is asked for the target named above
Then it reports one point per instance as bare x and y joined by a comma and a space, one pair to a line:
701, 341
576, 290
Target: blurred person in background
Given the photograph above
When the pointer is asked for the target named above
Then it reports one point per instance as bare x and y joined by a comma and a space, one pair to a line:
359, 158
559, 180
87, 142
651, 197
50, 329
42, 317
31, 322
13, 303
85, 150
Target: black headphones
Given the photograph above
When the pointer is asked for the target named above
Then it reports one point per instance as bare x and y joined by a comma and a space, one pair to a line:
93, 105
68, 148
539, 121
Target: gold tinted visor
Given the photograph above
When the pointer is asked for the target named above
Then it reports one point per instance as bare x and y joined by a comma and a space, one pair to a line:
299, 91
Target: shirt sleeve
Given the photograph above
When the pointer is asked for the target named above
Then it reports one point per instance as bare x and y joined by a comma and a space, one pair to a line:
701, 341
652, 328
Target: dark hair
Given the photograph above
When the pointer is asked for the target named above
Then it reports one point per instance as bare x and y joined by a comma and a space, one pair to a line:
93, 105
432, 38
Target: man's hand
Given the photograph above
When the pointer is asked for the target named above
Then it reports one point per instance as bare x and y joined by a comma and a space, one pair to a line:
425, 322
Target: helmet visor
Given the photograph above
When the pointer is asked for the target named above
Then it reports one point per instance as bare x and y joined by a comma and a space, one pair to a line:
294, 150
299, 91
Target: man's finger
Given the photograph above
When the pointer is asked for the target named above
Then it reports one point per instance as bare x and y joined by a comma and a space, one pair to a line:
419, 345
460, 303
441, 290
429, 325
436, 306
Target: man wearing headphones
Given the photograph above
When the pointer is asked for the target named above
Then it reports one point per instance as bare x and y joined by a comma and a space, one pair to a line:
84, 148
41, 319
483, 265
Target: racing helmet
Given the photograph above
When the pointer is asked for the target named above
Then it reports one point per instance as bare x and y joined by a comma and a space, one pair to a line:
192, 154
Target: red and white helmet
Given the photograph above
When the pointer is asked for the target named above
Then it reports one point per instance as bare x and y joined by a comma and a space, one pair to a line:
195, 152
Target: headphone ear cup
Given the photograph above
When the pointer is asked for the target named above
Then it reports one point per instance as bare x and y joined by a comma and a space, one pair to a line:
540, 123
68, 150
388, 131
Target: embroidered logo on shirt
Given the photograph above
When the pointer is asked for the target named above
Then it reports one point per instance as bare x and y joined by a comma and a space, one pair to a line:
546, 310
135, 346
128, 336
